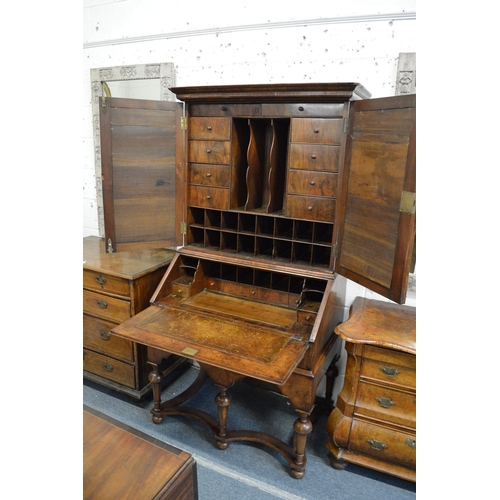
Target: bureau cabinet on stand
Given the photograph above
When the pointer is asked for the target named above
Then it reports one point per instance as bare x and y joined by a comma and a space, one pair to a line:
374, 423
116, 286
280, 187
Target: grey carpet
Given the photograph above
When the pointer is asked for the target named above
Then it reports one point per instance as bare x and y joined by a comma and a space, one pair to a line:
248, 470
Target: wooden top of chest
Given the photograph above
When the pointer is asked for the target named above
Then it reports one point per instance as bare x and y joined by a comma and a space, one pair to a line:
380, 323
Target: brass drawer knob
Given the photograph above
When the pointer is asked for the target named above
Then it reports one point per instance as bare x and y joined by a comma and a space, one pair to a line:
385, 402
314, 157
100, 279
105, 336
389, 371
209, 151
108, 367
209, 127
102, 304
209, 174
313, 183
301, 108
316, 131
377, 445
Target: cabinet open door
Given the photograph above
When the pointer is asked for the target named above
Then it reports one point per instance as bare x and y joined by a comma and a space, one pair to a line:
138, 142
375, 222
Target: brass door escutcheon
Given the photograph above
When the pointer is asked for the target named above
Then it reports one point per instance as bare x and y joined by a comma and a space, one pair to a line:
108, 367
100, 279
105, 335
102, 304
412, 443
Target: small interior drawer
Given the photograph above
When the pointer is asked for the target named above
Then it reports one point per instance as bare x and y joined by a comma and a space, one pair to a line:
308, 207
104, 306
96, 337
314, 157
102, 282
209, 175
312, 183
317, 130
209, 197
109, 368
209, 151
385, 444
209, 128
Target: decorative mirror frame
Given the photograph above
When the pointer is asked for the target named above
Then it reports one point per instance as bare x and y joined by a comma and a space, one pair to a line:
161, 71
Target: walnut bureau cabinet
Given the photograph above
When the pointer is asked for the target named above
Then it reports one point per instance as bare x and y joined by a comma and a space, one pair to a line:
281, 188
115, 287
374, 423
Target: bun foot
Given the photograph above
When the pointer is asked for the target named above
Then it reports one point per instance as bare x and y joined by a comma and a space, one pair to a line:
297, 474
337, 463
158, 419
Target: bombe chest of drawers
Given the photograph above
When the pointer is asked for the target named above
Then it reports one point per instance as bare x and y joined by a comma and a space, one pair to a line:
117, 286
374, 423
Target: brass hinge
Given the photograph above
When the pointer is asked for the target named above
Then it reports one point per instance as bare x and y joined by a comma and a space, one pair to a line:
183, 228
346, 125
408, 203
103, 103
184, 125
110, 246
335, 250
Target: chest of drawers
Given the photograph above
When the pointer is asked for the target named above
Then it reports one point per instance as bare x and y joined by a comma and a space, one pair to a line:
116, 287
374, 423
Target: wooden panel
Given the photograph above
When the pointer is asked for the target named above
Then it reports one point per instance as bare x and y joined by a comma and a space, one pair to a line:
109, 368
96, 336
302, 109
317, 131
138, 170
375, 238
111, 451
105, 306
209, 128
311, 208
209, 151
225, 110
209, 175
314, 157
312, 183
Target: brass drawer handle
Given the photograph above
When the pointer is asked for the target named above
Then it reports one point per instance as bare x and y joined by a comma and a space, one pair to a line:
102, 304
100, 279
108, 367
385, 402
412, 443
105, 336
390, 372
377, 445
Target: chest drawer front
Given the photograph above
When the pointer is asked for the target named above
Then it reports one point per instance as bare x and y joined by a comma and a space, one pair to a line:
317, 130
312, 183
101, 305
96, 337
209, 175
314, 157
101, 282
109, 368
389, 366
210, 128
209, 197
209, 151
385, 444
311, 208
386, 404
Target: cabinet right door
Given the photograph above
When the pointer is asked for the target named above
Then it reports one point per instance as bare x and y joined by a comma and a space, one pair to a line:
375, 220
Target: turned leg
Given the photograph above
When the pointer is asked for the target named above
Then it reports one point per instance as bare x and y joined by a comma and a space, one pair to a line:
302, 427
223, 400
156, 378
